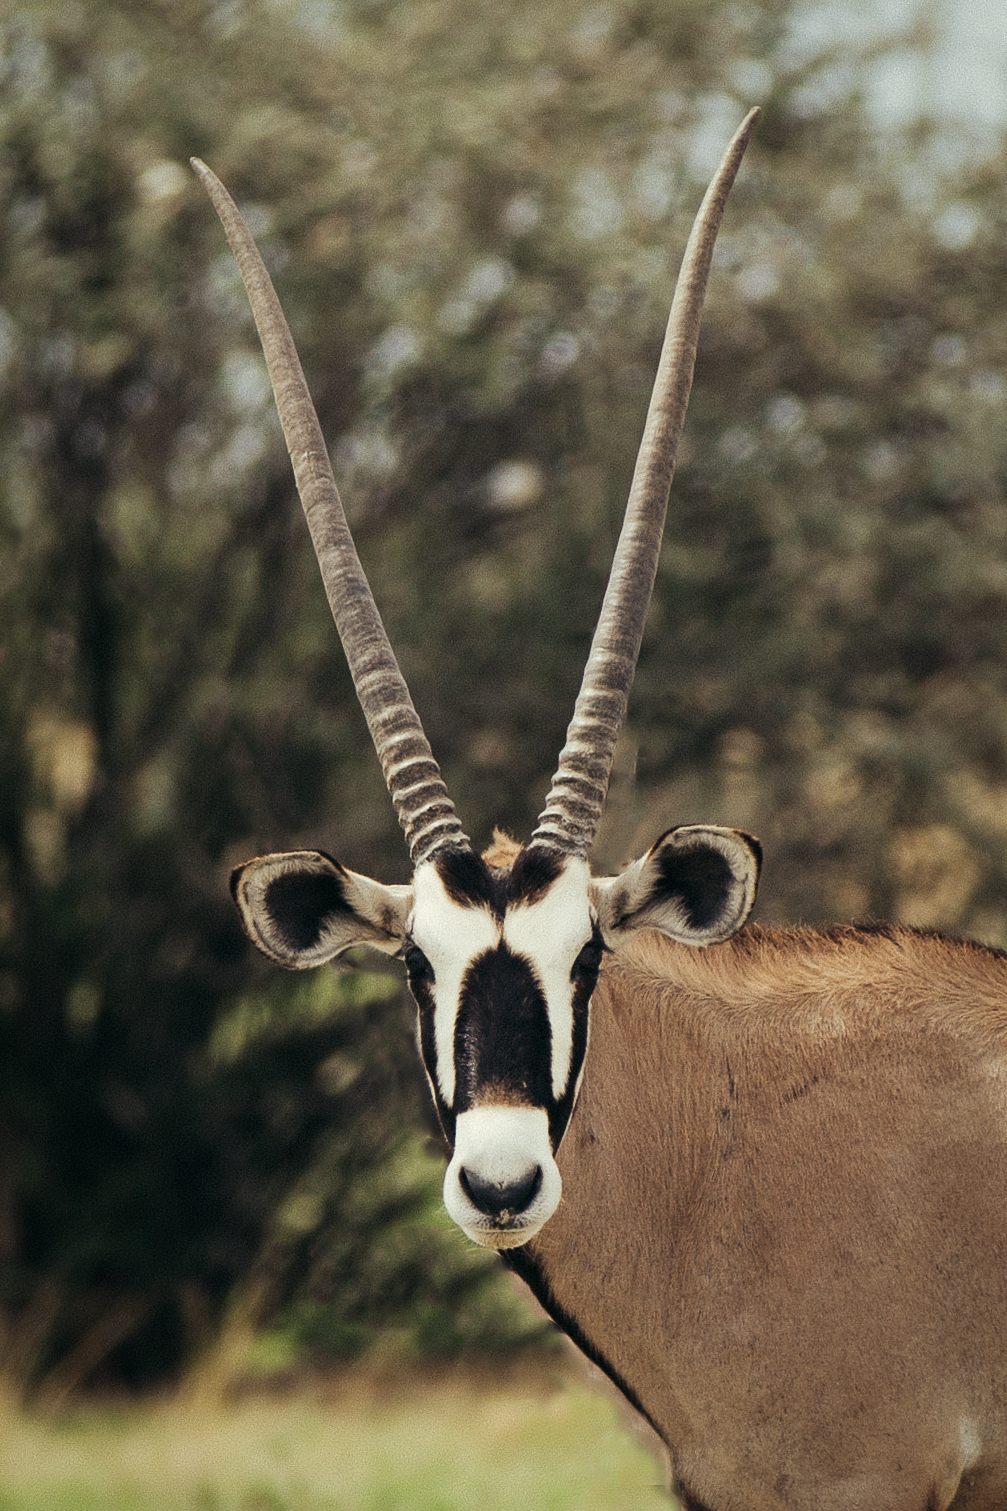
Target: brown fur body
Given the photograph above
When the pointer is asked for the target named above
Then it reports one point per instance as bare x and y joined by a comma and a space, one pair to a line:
784, 1221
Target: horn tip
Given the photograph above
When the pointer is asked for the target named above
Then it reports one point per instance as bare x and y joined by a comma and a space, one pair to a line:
206, 175
744, 131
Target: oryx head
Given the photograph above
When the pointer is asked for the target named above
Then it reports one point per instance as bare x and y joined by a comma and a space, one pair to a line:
502, 950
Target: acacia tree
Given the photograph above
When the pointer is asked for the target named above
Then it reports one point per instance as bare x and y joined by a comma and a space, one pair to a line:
474, 219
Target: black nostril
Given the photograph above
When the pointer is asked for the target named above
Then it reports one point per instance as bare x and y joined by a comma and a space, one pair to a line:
501, 1198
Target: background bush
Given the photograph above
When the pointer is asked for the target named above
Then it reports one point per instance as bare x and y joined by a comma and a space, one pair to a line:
474, 217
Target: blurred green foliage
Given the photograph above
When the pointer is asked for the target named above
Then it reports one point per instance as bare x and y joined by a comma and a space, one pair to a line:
474, 216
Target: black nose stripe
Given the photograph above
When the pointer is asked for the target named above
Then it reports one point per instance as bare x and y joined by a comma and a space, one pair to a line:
503, 1039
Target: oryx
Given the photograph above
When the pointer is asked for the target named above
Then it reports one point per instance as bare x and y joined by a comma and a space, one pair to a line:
783, 1159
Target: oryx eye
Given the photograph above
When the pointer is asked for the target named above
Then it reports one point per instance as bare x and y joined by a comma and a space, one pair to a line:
588, 962
417, 964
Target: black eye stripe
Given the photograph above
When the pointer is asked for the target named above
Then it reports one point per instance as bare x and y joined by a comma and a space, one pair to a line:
416, 963
426, 1033
561, 1110
589, 960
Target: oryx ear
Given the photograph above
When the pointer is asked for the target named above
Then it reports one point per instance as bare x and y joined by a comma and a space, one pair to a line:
697, 885
302, 908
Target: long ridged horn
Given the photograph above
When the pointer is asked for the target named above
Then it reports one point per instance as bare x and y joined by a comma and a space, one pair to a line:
570, 818
424, 809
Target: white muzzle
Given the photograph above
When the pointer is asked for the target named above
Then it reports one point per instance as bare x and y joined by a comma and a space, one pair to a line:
502, 1183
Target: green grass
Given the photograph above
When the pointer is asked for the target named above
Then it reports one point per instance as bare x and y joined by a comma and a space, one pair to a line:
544, 1446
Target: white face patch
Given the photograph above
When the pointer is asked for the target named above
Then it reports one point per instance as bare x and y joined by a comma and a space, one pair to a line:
550, 933
451, 937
